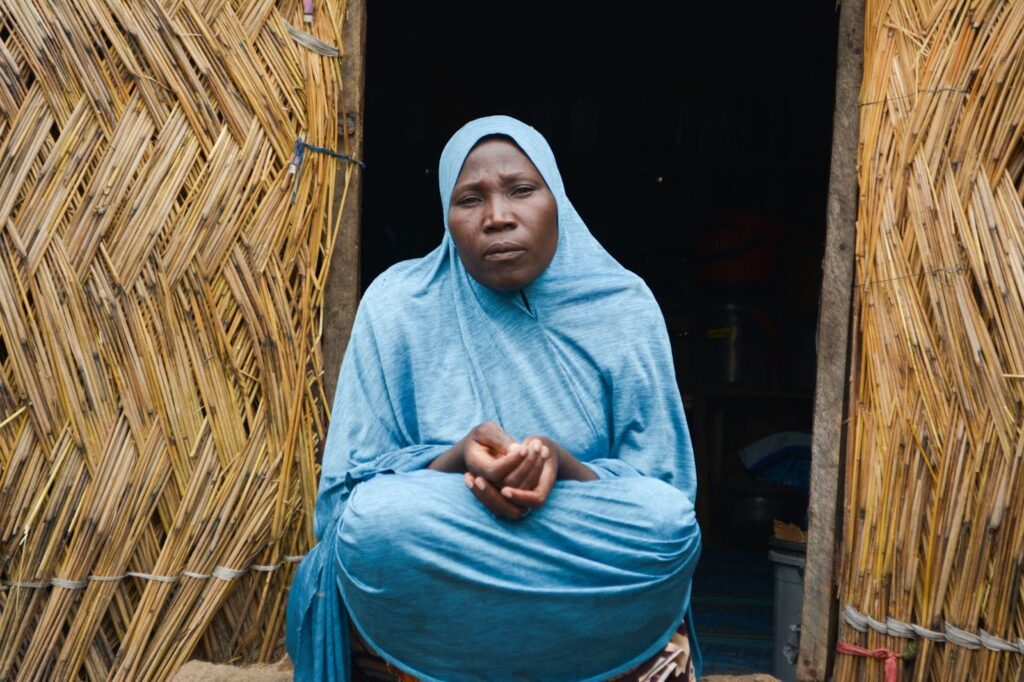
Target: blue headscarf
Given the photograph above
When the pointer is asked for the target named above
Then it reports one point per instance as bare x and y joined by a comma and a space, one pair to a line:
581, 355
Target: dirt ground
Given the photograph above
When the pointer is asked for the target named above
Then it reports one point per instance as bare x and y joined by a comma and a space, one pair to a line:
198, 671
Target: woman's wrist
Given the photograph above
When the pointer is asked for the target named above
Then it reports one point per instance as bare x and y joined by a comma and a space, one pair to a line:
569, 468
452, 460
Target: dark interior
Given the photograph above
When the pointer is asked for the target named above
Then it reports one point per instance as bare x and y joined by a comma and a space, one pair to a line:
694, 140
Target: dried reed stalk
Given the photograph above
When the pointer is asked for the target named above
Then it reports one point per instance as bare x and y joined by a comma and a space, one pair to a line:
161, 399
934, 517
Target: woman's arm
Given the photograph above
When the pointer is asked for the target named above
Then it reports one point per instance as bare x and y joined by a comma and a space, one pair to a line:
569, 468
452, 460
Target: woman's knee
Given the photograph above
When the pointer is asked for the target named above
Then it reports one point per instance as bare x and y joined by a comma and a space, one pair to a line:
667, 509
388, 512
379, 507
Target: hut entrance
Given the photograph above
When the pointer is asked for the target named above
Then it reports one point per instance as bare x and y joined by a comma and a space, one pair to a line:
694, 140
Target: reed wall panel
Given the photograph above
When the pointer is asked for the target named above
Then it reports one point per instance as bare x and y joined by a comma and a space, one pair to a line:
934, 487
161, 294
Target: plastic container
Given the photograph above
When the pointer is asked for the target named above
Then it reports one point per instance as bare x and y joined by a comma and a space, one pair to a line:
736, 344
788, 560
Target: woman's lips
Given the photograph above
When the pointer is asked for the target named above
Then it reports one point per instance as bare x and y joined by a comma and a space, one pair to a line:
505, 255
503, 251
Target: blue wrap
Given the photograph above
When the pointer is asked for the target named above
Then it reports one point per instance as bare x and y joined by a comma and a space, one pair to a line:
585, 588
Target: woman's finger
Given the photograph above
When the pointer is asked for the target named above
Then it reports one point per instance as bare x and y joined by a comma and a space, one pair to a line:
521, 473
490, 498
535, 497
494, 437
523, 498
490, 467
530, 481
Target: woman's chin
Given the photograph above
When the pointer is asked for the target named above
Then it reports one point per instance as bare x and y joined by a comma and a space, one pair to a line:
512, 280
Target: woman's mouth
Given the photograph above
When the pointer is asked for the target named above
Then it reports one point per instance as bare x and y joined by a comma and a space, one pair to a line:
503, 251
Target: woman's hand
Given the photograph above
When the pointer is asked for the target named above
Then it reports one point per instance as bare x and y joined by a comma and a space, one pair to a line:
485, 452
511, 479
490, 456
532, 477
481, 452
531, 482
555, 463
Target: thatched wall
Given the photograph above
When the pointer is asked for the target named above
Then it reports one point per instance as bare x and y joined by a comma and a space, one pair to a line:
934, 485
161, 396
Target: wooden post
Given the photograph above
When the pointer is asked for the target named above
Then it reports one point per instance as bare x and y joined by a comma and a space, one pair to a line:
820, 612
341, 296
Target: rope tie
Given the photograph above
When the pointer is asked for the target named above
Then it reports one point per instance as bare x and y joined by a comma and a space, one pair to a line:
890, 658
950, 635
224, 573
299, 154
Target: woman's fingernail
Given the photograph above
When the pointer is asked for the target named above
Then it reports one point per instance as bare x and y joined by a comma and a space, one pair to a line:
545, 453
506, 492
480, 483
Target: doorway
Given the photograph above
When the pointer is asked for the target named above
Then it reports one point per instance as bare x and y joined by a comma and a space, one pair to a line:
694, 141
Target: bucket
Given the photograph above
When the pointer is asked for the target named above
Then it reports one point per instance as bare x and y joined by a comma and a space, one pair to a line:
788, 560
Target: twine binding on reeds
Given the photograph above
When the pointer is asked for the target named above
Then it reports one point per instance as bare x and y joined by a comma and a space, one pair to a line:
299, 154
951, 635
225, 573
962, 91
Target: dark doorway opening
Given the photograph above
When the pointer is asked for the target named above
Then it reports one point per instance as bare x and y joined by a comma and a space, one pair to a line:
694, 141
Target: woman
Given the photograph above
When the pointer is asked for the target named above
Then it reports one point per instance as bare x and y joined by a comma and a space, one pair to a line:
508, 484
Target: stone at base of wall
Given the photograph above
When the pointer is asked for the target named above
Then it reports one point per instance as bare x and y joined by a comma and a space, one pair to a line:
201, 671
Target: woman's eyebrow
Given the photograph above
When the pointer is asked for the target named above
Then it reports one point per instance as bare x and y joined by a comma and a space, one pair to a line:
503, 177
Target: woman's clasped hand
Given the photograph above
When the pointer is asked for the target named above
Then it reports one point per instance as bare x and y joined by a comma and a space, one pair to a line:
511, 478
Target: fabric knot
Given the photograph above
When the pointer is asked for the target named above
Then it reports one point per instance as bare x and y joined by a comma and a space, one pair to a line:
890, 657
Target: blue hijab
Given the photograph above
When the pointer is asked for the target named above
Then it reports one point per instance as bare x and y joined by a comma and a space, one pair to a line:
581, 355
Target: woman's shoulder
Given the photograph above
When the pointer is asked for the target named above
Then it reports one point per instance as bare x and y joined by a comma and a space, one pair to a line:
629, 305
405, 292
406, 279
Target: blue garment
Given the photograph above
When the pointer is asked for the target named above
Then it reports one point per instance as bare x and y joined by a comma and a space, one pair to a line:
590, 585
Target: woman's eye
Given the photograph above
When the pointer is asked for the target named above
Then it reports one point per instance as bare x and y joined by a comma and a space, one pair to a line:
522, 190
467, 201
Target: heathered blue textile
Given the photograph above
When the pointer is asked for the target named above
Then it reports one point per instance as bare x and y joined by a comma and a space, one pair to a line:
588, 586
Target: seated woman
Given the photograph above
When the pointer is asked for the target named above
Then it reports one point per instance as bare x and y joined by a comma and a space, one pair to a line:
508, 484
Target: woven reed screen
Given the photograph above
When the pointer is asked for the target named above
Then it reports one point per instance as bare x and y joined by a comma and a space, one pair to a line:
934, 487
161, 396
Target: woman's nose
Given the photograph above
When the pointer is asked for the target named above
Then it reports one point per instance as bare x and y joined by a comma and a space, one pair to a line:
498, 215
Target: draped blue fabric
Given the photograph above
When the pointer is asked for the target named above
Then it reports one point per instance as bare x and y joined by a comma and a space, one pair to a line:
588, 586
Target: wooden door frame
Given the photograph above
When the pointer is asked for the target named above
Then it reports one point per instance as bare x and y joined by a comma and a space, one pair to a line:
820, 605
341, 293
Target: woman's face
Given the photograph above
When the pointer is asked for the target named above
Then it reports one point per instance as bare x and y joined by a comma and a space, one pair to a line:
502, 216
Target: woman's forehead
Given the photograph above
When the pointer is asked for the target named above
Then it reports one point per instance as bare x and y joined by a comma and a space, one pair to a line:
497, 156
531, 143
